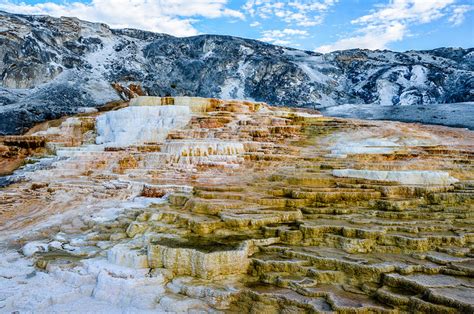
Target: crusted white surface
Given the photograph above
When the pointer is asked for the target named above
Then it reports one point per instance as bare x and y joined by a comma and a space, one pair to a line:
404, 177
140, 124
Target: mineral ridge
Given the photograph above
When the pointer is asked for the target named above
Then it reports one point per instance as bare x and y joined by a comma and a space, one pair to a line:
205, 205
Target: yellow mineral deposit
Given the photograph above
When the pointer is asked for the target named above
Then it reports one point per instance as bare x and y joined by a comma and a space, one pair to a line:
192, 204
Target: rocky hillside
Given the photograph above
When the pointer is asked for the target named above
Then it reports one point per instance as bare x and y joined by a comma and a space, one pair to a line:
51, 67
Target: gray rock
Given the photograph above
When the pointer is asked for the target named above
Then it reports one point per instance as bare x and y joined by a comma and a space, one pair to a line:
51, 67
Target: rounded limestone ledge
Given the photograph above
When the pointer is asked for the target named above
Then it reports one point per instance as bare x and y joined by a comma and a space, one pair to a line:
203, 148
196, 104
201, 258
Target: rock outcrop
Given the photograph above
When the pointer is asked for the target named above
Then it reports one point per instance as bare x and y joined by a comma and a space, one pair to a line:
51, 67
238, 207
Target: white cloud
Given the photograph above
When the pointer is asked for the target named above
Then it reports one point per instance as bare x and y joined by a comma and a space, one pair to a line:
303, 13
391, 23
458, 14
168, 16
281, 42
370, 39
255, 24
292, 13
290, 31
282, 37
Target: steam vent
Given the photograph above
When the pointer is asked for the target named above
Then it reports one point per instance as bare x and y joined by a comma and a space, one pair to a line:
204, 205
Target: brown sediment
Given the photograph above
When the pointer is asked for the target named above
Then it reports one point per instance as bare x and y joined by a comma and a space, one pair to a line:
14, 151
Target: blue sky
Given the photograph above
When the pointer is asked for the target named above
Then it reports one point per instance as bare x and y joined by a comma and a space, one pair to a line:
318, 25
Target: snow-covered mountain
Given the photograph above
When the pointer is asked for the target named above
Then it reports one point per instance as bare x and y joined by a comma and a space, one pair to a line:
53, 66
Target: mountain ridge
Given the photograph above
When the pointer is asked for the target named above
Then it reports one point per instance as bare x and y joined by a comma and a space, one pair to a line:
52, 67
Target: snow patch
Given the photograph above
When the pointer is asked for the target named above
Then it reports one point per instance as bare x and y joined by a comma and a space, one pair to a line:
387, 91
313, 74
233, 86
418, 76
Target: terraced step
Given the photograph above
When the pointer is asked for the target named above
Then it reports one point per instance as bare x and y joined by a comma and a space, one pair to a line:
229, 206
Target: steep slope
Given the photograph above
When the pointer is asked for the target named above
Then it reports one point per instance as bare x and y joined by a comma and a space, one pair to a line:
51, 67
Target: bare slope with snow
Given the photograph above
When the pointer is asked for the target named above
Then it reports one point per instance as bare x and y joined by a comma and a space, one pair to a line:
50, 67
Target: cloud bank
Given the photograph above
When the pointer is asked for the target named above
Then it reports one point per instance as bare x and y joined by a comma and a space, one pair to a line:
174, 17
297, 15
280, 22
392, 22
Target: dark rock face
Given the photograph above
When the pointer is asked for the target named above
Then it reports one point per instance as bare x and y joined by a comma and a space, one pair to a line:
50, 67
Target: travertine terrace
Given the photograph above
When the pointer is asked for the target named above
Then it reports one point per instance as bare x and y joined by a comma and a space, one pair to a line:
228, 206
